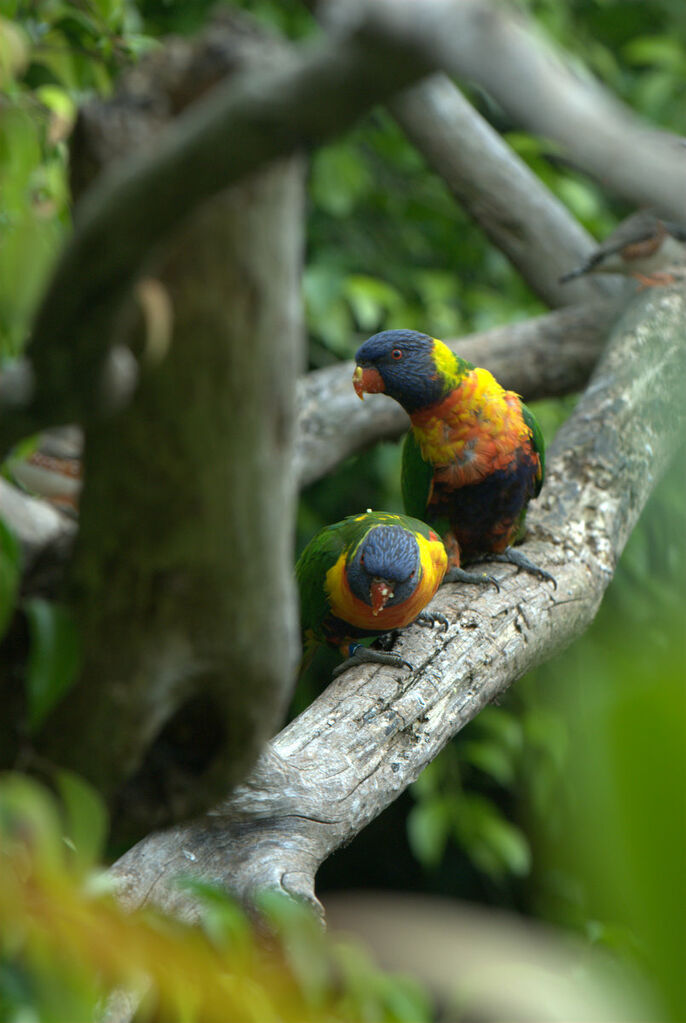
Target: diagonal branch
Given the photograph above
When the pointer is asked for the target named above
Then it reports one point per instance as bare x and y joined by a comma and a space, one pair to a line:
522, 217
368, 736
495, 47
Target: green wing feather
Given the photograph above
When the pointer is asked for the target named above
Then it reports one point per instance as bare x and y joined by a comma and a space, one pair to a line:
415, 478
538, 442
310, 571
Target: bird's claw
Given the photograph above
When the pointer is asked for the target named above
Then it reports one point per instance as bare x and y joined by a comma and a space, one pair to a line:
512, 556
459, 575
364, 655
430, 618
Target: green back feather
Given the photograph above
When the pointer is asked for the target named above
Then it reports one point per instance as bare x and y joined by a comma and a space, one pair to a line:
538, 442
415, 478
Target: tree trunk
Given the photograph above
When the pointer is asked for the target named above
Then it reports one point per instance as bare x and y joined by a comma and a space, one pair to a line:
183, 564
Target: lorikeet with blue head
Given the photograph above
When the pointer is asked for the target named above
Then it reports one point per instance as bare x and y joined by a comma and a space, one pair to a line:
475, 455
364, 576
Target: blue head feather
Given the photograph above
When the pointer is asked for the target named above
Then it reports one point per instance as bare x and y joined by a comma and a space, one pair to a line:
390, 553
411, 377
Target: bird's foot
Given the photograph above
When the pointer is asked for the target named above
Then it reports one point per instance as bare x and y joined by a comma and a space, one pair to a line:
458, 575
359, 654
514, 557
431, 618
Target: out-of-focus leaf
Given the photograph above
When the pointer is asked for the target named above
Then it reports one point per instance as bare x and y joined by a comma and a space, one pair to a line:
581, 198
10, 573
339, 179
85, 818
494, 844
222, 919
428, 827
29, 820
53, 659
303, 942
664, 51
14, 51
491, 759
370, 300
369, 995
502, 725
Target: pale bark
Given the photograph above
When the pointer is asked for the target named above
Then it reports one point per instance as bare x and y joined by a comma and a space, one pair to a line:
373, 730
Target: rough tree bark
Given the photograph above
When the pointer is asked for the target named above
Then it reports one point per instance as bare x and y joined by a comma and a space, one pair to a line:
349, 754
182, 562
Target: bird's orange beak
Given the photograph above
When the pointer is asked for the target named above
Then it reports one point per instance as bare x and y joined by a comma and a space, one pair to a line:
381, 592
367, 381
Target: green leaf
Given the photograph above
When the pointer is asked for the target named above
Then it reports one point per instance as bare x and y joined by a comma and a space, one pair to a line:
29, 818
85, 818
494, 844
502, 726
222, 919
303, 943
339, 179
54, 657
10, 573
428, 826
664, 51
370, 299
491, 759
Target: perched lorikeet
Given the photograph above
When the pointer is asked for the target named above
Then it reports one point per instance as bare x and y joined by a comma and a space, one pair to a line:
474, 457
364, 576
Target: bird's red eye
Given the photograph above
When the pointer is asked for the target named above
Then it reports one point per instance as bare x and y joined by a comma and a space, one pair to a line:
396, 354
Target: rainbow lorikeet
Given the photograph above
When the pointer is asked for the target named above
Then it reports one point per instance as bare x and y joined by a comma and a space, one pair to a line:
474, 457
364, 576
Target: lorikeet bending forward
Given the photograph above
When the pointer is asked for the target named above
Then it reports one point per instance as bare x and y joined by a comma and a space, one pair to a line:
364, 576
474, 457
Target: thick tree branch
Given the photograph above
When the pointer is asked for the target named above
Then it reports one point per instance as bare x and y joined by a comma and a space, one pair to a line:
350, 754
544, 357
494, 185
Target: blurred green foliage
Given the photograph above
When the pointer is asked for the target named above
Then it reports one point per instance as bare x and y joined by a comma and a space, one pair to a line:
566, 798
65, 943
53, 54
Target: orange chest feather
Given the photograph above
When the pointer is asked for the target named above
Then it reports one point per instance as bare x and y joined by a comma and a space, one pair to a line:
349, 608
474, 432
